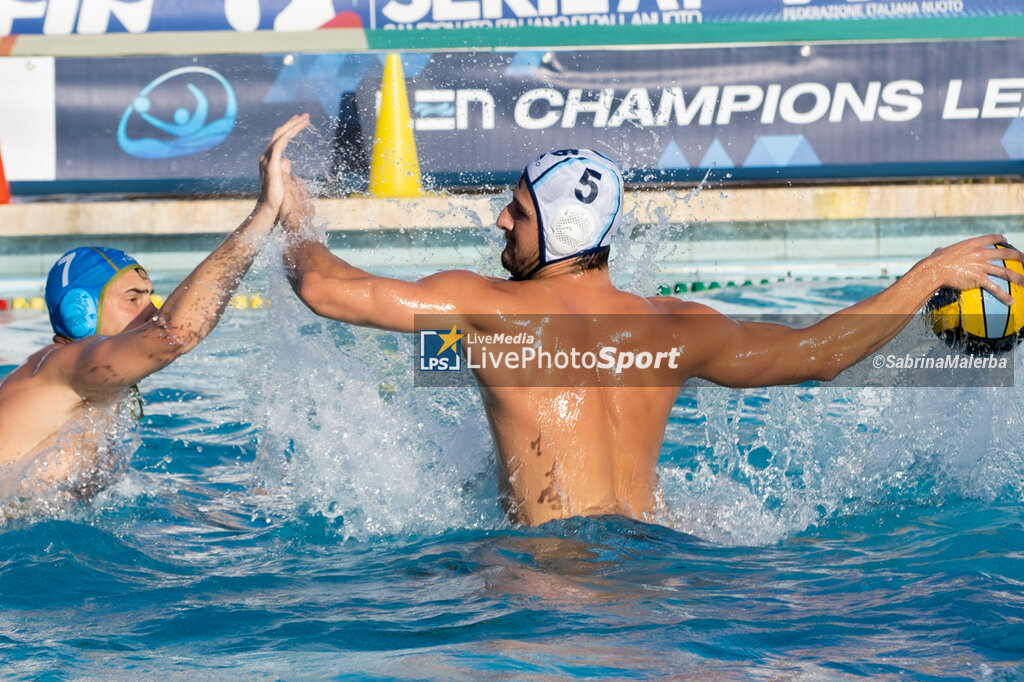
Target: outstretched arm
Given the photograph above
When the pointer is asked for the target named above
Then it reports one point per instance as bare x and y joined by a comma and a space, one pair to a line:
333, 288
757, 354
196, 305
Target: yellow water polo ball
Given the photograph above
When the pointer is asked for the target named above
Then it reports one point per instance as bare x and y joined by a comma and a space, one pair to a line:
976, 321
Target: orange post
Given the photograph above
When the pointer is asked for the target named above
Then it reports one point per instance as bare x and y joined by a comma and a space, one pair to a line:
5, 190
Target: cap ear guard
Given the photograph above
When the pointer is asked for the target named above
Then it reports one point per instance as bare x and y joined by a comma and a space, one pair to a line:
78, 313
570, 233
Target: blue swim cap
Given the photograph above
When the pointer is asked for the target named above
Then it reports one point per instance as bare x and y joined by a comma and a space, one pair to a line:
76, 285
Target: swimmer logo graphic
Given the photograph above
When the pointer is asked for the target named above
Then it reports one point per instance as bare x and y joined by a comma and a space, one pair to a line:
440, 350
190, 131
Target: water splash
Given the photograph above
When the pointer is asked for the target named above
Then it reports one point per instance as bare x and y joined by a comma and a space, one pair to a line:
346, 437
650, 237
349, 438
771, 463
88, 454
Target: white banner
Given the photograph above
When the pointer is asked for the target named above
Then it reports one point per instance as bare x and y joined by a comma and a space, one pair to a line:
27, 118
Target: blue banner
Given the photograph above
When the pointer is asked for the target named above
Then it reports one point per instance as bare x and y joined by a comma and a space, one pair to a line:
765, 113
61, 17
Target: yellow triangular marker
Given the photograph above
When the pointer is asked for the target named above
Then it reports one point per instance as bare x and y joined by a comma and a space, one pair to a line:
395, 168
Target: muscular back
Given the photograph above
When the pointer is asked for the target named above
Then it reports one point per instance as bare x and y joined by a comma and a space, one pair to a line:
577, 451
590, 447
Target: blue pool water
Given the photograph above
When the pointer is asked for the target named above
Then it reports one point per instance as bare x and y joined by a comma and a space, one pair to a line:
296, 509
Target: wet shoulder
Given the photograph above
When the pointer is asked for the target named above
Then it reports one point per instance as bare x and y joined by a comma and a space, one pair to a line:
465, 281
38, 365
45, 372
674, 306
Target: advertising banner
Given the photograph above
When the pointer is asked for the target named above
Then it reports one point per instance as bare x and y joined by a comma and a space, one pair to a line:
510, 13
770, 112
762, 113
90, 17
167, 124
394, 24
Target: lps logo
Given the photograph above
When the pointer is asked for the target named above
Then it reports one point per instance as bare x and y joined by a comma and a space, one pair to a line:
190, 129
440, 351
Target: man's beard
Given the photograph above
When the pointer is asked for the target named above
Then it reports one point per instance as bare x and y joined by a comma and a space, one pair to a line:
516, 266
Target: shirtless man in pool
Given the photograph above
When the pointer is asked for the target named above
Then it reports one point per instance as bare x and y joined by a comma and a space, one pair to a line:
59, 410
590, 449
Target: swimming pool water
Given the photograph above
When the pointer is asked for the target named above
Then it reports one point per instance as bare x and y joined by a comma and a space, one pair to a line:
297, 509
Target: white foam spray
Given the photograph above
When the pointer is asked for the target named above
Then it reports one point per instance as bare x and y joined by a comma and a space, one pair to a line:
774, 462
348, 437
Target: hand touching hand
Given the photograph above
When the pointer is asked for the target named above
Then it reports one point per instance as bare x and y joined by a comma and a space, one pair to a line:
274, 167
297, 209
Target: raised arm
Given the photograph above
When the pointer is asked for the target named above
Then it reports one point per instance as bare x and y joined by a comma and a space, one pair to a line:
196, 305
333, 288
744, 354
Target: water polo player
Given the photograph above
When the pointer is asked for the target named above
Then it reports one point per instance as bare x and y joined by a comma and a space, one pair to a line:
63, 413
592, 448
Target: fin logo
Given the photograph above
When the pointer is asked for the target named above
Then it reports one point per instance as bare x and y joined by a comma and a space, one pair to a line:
440, 350
189, 129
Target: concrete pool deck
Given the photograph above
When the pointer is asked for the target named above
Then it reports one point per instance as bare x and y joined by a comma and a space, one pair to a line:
740, 205
851, 230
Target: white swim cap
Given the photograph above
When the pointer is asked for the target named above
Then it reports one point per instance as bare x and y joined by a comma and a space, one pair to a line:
578, 196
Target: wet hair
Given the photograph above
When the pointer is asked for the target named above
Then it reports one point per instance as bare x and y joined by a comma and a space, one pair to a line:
592, 261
